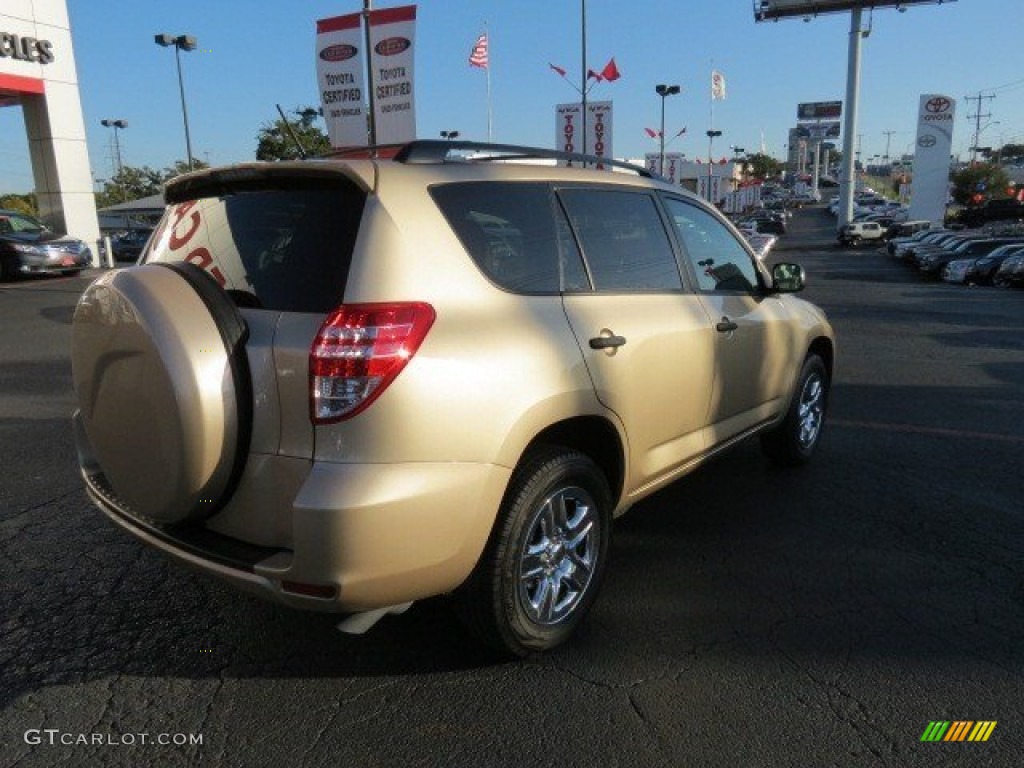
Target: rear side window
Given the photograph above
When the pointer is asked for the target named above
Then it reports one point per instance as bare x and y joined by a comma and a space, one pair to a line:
286, 250
511, 232
624, 241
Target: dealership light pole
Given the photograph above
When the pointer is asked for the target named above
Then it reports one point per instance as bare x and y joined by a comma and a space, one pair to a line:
180, 43
116, 124
664, 91
450, 135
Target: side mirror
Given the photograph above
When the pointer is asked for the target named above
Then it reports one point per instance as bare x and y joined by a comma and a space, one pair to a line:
788, 278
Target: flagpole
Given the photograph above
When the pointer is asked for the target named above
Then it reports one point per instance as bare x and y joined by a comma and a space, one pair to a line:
372, 124
490, 133
583, 74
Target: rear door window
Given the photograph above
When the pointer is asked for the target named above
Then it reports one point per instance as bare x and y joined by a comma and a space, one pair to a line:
280, 249
624, 241
515, 235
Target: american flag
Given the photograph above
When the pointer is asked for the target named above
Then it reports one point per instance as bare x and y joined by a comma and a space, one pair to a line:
478, 56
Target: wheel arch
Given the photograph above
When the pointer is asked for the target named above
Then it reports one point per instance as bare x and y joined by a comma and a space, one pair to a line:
593, 436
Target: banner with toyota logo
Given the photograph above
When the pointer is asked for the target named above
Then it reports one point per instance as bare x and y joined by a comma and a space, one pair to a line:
932, 147
339, 69
568, 127
392, 32
341, 61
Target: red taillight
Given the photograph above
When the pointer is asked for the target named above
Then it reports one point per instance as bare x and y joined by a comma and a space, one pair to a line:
359, 350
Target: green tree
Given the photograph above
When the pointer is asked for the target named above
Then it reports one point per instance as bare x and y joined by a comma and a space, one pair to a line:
132, 183
276, 143
21, 203
761, 166
985, 178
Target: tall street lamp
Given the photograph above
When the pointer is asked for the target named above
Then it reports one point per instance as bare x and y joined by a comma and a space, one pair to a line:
180, 43
664, 91
450, 135
115, 124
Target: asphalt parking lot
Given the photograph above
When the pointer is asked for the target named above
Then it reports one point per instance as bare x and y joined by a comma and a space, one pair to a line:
751, 616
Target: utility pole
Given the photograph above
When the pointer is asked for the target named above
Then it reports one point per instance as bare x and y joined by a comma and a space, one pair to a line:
977, 116
888, 139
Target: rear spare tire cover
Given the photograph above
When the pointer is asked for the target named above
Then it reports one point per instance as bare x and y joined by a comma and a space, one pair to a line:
162, 381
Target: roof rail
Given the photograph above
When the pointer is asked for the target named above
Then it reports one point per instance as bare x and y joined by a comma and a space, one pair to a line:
431, 151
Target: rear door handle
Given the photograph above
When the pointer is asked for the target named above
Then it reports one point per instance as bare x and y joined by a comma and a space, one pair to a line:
725, 325
607, 342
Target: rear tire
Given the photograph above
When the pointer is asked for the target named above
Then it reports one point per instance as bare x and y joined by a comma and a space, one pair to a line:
792, 443
545, 560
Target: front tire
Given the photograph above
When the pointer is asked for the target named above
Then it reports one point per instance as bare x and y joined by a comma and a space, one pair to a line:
792, 443
544, 563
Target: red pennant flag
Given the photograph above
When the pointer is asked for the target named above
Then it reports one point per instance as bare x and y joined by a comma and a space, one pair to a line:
652, 133
610, 71
592, 74
559, 70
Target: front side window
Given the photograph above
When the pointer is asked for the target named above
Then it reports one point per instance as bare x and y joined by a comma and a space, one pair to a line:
719, 261
623, 239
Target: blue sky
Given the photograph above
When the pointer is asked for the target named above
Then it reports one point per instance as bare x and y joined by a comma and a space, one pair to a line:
253, 55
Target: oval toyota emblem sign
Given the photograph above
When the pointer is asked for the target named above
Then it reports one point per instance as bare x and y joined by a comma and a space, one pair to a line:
938, 105
338, 52
927, 141
391, 46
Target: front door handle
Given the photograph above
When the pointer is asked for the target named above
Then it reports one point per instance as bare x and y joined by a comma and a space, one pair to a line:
725, 325
607, 342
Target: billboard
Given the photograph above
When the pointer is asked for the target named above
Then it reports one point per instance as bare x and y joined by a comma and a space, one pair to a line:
819, 110
599, 129
930, 186
772, 10
829, 130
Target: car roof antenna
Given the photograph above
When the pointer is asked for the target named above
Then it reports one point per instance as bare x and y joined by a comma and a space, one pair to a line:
288, 125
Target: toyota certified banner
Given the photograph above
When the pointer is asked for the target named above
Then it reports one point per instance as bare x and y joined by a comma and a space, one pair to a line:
339, 66
392, 32
930, 185
568, 129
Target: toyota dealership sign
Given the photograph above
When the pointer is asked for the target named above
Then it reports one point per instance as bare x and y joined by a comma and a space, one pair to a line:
934, 142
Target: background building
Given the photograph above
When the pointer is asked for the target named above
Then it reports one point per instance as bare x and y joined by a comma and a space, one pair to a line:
37, 74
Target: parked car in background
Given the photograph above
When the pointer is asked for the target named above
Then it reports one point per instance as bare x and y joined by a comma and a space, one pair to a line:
128, 245
906, 229
933, 263
857, 232
350, 384
1005, 209
1010, 272
983, 269
28, 247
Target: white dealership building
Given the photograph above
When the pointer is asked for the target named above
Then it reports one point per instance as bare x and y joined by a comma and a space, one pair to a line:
37, 74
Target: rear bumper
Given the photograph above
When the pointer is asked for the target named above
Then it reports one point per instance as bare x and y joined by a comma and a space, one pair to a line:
372, 535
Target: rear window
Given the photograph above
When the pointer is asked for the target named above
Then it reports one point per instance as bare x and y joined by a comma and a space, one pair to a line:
286, 250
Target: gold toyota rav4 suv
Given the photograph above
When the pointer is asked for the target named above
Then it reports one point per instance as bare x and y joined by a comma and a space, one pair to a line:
349, 384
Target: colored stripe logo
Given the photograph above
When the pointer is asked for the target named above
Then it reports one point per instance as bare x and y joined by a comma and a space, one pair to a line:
959, 730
